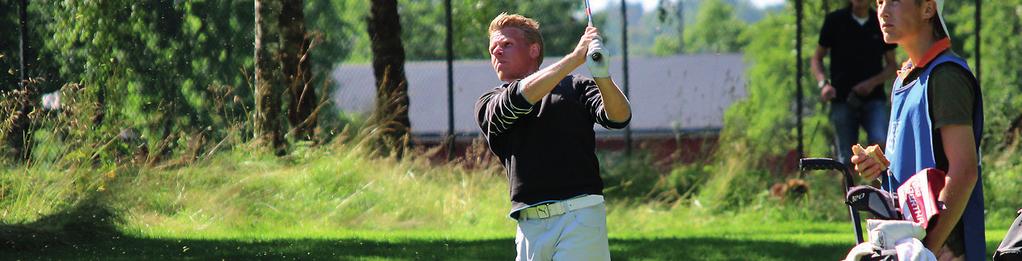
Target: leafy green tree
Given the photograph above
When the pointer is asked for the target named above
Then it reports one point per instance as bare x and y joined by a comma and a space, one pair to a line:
471, 19
716, 29
761, 128
170, 69
8, 45
128, 54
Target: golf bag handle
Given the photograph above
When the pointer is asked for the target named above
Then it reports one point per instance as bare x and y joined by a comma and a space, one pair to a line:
808, 164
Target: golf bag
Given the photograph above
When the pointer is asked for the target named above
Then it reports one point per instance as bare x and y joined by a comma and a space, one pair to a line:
1011, 246
881, 204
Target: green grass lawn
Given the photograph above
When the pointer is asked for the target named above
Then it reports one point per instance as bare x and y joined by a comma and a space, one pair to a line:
738, 241
342, 205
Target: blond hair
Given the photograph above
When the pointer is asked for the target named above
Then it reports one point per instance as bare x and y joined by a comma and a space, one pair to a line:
528, 26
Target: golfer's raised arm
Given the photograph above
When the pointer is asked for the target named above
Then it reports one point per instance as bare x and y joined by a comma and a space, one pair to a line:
539, 84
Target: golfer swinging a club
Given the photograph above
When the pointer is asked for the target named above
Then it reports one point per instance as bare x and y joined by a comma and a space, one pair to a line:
936, 122
540, 124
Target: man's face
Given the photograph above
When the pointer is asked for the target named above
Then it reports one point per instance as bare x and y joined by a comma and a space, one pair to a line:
511, 56
903, 19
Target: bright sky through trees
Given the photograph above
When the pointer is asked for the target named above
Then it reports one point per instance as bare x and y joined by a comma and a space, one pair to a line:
650, 4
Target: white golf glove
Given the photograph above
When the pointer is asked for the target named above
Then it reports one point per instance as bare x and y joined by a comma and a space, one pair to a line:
599, 69
886, 234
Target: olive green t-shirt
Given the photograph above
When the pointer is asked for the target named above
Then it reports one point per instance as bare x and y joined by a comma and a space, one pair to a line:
952, 97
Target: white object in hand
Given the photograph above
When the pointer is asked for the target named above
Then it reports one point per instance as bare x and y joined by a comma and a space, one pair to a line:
601, 68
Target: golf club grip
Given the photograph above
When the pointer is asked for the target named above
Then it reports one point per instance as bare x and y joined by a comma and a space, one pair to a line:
597, 56
806, 164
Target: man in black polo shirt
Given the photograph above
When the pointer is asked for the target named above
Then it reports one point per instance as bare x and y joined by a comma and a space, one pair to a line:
860, 63
540, 124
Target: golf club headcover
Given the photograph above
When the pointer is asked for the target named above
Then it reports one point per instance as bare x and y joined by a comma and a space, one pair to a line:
885, 234
873, 200
861, 250
601, 68
918, 196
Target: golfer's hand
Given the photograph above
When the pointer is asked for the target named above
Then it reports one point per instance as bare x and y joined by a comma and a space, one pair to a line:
601, 68
579, 54
868, 168
828, 92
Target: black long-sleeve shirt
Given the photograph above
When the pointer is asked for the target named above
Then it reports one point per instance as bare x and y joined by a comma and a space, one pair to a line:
548, 149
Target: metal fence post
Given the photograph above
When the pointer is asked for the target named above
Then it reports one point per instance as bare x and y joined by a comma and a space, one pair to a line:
451, 138
979, 57
624, 53
23, 28
798, 76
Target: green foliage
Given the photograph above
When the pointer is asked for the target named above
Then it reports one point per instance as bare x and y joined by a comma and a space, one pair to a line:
715, 30
8, 45
1001, 183
666, 45
637, 180
760, 130
341, 23
423, 25
628, 177
175, 71
156, 66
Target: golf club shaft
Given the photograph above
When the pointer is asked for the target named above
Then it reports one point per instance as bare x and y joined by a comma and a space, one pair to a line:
589, 15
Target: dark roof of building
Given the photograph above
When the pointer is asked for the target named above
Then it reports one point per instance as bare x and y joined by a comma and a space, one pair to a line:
682, 93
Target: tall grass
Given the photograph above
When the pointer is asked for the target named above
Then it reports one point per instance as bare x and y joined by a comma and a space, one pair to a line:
347, 187
332, 188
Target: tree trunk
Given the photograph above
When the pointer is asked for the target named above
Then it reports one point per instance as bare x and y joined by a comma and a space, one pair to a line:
391, 115
297, 72
20, 136
268, 82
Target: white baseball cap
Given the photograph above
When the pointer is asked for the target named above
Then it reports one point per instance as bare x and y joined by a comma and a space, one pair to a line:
940, 16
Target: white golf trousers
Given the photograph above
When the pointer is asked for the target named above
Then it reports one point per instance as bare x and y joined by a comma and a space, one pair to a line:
580, 234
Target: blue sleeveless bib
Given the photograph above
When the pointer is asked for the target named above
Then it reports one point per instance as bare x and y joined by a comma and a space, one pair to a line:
910, 146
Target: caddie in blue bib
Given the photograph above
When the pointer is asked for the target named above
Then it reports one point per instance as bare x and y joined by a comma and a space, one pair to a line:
910, 140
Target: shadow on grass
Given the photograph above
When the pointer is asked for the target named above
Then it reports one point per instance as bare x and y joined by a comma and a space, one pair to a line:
85, 221
87, 232
126, 248
121, 247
